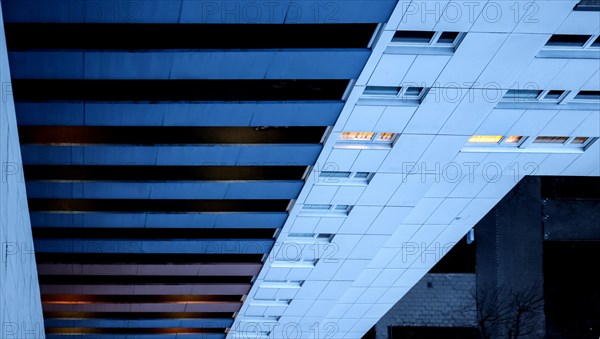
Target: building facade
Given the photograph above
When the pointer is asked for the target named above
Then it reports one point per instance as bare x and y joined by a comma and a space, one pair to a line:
190, 173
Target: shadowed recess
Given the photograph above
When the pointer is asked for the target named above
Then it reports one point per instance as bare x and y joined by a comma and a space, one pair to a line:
137, 315
177, 90
154, 233
141, 205
146, 258
26, 36
162, 173
125, 299
132, 330
140, 279
75, 135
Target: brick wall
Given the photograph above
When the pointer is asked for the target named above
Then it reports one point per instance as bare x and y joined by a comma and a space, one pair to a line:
20, 306
438, 300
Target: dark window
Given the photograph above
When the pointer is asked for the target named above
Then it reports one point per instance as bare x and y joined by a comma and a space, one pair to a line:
447, 38
413, 91
588, 5
381, 90
413, 36
554, 95
588, 95
570, 40
596, 42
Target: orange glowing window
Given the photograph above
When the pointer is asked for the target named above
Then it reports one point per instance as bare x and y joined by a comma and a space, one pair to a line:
485, 139
513, 139
386, 136
580, 140
357, 136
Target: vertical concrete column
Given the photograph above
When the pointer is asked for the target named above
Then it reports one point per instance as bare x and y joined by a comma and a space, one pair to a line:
20, 304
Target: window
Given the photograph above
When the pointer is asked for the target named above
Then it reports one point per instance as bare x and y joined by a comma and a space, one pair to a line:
381, 90
357, 136
588, 95
568, 40
550, 140
519, 143
520, 95
366, 140
426, 38
513, 139
301, 263
580, 140
553, 95
448, 37
293, 284
309, 238
485, 139
325, 210
588, 5
573, 41
413, 37
345, 178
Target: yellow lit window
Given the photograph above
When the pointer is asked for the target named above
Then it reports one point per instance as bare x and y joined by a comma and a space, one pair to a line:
386, 136
579, 140
357, 136
513, 139
550, 140
485, 139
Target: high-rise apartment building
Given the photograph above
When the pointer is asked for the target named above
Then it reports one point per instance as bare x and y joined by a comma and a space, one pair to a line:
269, 169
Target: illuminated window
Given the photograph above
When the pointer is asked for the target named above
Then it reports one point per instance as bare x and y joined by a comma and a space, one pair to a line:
580, 140
386, 136
485, 139
513, 139
357, 136
550, 140
366, 140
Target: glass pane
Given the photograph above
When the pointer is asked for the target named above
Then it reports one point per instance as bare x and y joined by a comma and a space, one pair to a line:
381, 90
357, 136
386, 136
571, 40
580, 140
550, 140
588, 95
513, 139
413, 91
447, 37
413, 36
329, 174
554, 95
485, 139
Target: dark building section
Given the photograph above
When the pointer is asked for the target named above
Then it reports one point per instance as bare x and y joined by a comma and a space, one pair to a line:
526, 275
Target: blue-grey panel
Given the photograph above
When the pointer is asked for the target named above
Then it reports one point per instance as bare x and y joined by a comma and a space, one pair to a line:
160, 220
262, 64
198, 11
254, 246
137, 323
166, 190
198, 155
180, 114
